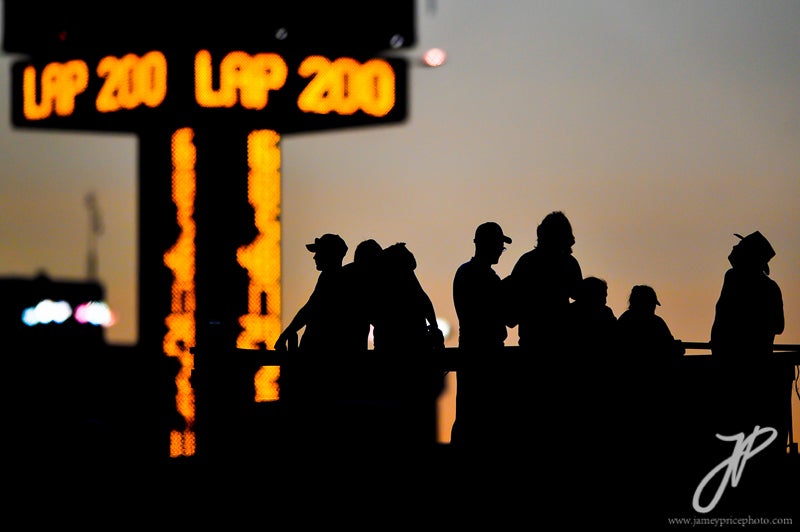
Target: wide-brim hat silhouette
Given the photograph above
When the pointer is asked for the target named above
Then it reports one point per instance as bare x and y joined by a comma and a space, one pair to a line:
756, 246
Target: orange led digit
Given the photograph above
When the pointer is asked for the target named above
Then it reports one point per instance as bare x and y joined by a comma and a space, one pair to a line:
150, 77
376, 87
345, 86
314, 98
343, 79
131, 81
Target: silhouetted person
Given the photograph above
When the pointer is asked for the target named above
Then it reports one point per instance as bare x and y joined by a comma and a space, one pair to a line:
645, 373
755, 390
363, 273
587, 411
749, 311
405, 313
538, 292
541, 285
592, 323
644, 336
362, 385
647, 350
477, 296
320, 316
308, 382
406, 333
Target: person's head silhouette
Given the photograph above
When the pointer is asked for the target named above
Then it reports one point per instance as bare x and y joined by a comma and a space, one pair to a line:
752, 252
593, 291
490, 242
643, 299
367, 251
329, 251
555, 233
398, 257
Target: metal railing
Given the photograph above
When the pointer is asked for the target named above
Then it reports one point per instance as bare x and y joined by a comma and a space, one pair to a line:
229, 421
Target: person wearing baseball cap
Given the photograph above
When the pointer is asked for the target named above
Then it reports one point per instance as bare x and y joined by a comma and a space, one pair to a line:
490, 233
320, 316
644, 336
482, 333
329, 246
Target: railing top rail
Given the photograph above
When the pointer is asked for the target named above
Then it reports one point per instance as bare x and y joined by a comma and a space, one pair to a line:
448, 358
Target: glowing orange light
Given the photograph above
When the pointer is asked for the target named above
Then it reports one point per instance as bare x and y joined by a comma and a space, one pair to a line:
60, 84
131, 81
245, 77
345, 86
180, 259
262, 257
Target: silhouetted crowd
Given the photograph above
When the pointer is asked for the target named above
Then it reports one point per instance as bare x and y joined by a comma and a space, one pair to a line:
573, 391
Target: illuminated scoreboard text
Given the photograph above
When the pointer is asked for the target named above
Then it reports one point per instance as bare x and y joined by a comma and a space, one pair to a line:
255, 90
210, 101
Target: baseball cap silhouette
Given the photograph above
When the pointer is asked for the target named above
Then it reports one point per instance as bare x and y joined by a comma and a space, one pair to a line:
328, 243
490, 232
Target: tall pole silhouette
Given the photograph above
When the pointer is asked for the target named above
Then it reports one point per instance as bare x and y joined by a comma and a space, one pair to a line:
95, 230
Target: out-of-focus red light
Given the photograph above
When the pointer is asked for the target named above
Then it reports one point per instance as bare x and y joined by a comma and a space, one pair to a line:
434, 57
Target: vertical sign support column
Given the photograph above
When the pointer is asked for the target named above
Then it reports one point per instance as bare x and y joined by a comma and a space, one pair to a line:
218, 276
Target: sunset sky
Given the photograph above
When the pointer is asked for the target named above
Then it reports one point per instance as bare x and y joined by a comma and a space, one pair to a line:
659, 128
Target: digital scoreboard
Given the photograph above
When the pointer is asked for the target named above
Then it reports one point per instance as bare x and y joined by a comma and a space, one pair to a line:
234, 89
283, 66
209, 90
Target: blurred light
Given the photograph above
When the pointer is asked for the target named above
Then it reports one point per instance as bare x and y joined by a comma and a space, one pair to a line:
442, 323
49, 311
95, 313
444, 326
434, 57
